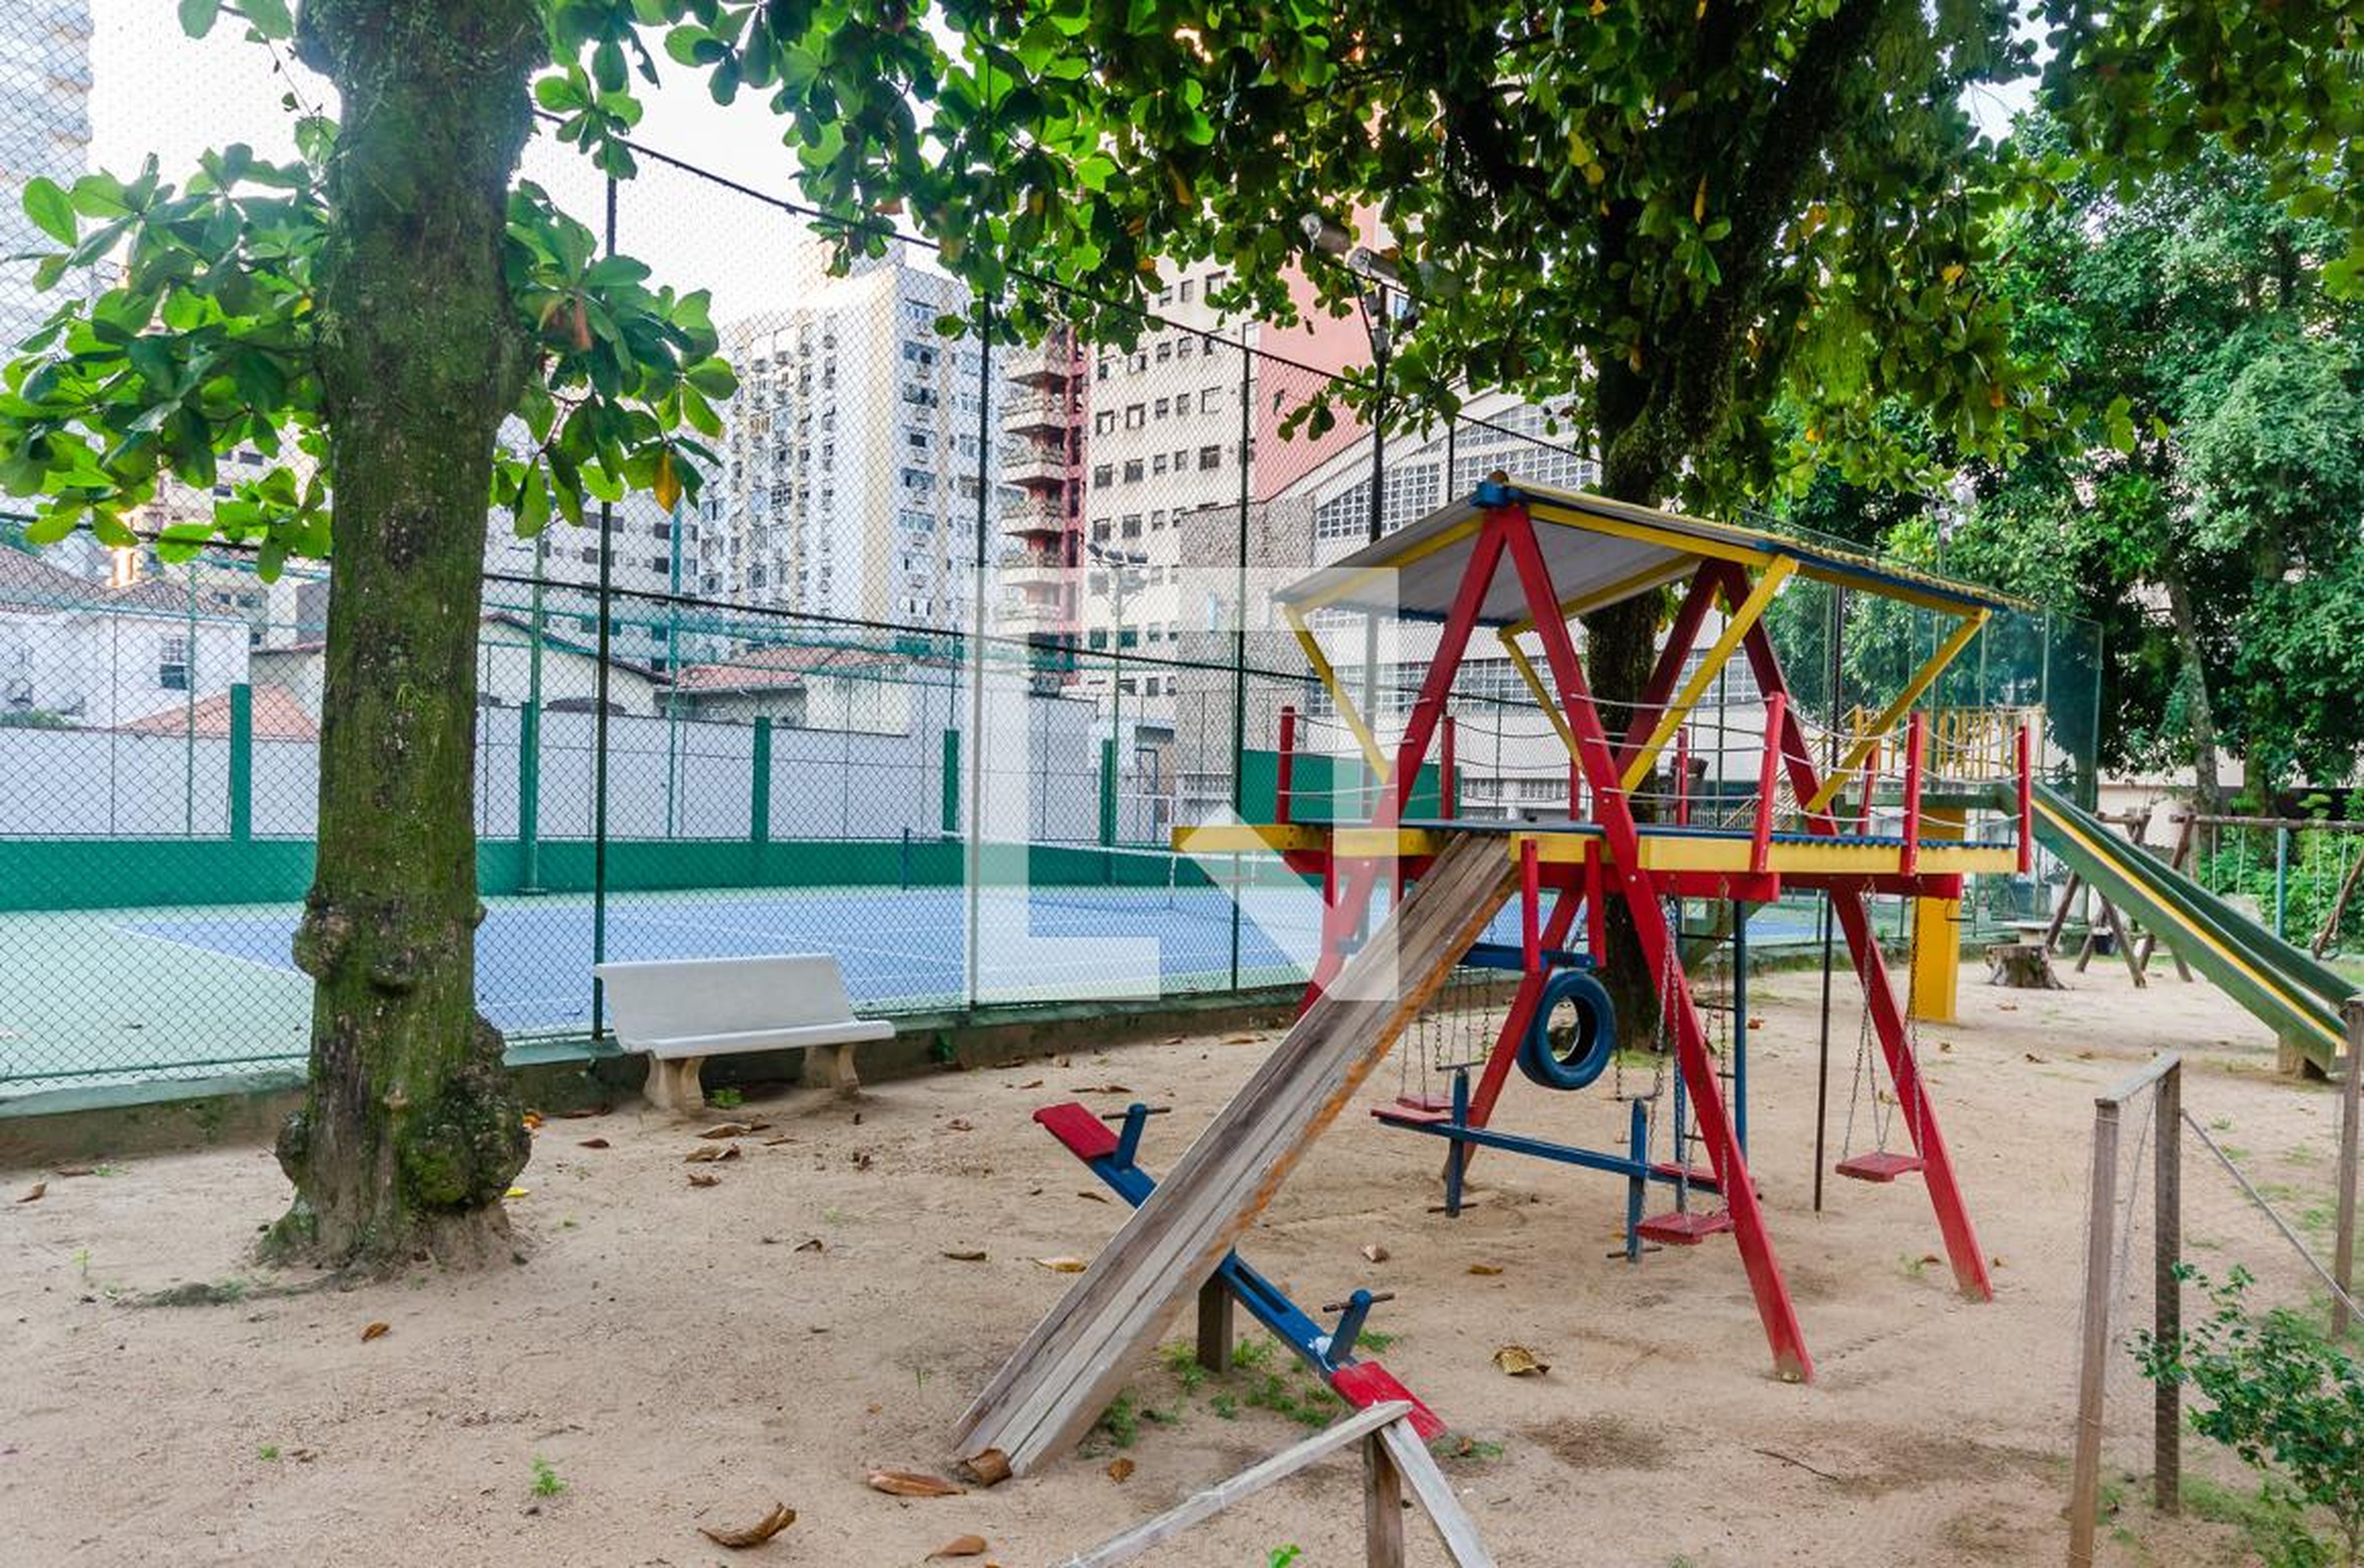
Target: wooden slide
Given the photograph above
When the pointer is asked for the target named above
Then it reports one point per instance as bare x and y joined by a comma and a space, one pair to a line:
1069, 1370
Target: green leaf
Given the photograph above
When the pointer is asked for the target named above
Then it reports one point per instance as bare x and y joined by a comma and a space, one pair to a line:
52, 210
269, 17
198, 17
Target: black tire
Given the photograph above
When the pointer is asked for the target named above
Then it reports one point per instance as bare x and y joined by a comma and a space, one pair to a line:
1580, 1060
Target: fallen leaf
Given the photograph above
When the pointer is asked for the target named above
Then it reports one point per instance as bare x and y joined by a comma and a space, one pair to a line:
1931, 1258
989, 1468
532, 1120
759, 1125
76, 1171
1101, 1089
862, 1159
1757, 1023
1374, 1253
2031, 1056
706, 1152
375, 1331
1240, 1039
1520, 1362
776, 1143
592, 1143
811, 1246
960, 1546
704, 1179
911, 1483
1095, 1197
584, 1114
1063, 1265
33, 1194
727, 1129
519, 1191
756, 1534
1120, 1470
962, 1124
1030, 1083
967, 1255
1484, 1270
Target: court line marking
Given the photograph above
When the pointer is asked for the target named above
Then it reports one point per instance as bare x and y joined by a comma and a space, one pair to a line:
287, 969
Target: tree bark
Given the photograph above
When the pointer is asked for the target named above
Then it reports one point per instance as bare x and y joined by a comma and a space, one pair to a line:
410, 1133
2208, 792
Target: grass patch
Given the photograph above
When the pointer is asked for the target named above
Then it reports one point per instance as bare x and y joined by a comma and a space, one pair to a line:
546, 1483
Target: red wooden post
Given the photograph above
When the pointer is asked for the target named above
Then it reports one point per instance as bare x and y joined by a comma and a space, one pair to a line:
1768, 781
1575, 790
1596, 902
2026, 797
1530, 902
1916, 736
1447, 789
1683, 777
1285, 778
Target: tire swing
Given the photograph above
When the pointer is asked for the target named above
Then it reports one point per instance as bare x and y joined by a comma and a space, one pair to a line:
1569, 1056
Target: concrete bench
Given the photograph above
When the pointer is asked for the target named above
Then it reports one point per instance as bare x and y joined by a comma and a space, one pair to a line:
681, 1011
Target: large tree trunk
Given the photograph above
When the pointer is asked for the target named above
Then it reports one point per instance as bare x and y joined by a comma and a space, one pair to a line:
2208, 792
410, 1133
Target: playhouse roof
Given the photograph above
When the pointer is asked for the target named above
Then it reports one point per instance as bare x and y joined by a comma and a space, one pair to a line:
1600, 552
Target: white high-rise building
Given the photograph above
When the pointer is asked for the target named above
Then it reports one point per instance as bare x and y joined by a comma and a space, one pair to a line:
856, 455
44, 131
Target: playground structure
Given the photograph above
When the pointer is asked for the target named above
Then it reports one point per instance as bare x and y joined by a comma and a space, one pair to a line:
1528, 561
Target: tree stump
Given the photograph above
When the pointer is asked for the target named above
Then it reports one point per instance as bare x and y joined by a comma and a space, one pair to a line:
2022, 966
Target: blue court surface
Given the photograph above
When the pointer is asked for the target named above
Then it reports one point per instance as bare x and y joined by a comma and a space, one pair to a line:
121, 994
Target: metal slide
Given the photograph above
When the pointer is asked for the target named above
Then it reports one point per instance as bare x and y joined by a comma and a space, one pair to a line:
2285, 987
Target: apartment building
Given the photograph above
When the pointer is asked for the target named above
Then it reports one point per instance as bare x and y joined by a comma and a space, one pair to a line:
45, 84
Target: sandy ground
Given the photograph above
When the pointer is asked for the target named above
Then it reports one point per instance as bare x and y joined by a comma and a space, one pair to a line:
679, 1355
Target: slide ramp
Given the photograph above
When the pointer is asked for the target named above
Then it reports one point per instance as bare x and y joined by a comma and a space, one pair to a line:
2284, 986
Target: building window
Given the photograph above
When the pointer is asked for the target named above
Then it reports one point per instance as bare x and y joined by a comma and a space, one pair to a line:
1104, 421
1183, 350
1157, 409
1133, 418
1158, 464
1210, 457
1185, 291
1210, 400
172, 663
1132, 470
1164, 352
1103, 475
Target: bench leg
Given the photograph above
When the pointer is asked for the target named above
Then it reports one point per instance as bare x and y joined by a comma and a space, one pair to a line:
673, 1086
829, 1067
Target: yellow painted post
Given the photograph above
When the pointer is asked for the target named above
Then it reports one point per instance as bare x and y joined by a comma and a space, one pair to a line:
1937, 931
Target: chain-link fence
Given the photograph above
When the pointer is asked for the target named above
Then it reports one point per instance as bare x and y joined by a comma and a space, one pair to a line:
956, 633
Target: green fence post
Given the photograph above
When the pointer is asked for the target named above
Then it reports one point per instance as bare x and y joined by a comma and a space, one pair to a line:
1108, 792
241, 762
2282, 881
759, 809
530, 797
951, 811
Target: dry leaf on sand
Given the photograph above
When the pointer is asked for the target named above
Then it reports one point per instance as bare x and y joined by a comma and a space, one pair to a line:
1374, 1253
988, 1467
966, 1254
33, 1194
1487, 1270
1520, 1362
756, 1534
727, 1129
1120, 1470
375, 1331
704, 1179
960, 1546
1063, 1265
912, 1484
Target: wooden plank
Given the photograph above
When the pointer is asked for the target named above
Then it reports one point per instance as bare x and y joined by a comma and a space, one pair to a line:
1215, 1334
1383, 1508
2351, 1112
1061, 1378
2093, 1362
1200, 1507
2060, 913
1433, 1492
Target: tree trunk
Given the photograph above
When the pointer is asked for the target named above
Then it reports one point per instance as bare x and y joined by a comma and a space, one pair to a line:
2207, 792
410, 1133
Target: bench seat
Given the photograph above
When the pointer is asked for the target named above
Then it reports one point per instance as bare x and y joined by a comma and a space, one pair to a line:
678, 1012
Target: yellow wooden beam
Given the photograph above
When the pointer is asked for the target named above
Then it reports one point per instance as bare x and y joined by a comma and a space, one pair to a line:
1923, 679
1526, 669
1329, 679
1748, 612
1655, 575
1663, 851
1686, 543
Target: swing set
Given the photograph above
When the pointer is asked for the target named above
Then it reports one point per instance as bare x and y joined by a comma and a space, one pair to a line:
1526, 562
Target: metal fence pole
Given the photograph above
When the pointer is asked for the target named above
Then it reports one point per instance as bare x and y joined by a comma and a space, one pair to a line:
975, 847
599, 720
1239, 628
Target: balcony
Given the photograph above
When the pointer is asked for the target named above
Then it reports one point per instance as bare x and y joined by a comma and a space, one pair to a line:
1048, 469
1029, 413
1036, 568
1050, 364
1036, 517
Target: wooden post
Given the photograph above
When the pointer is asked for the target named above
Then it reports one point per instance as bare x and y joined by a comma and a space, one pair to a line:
1916, 740
2351, 1114
2093, 1357
1383, 1530
1448, 788
1215, 1332
2166, 1291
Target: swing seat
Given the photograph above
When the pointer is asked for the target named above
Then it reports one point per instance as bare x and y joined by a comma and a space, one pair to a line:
1700, 1178
1880, 1166
1425, 1102
1402, 1115
1686, 1229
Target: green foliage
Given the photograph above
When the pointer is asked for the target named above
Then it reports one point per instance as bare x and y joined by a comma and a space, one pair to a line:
546, 1482
2280, 1396
725, 1099
2271, 1522
1282, 1556
1121, 1420
209, 340
268, 1453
